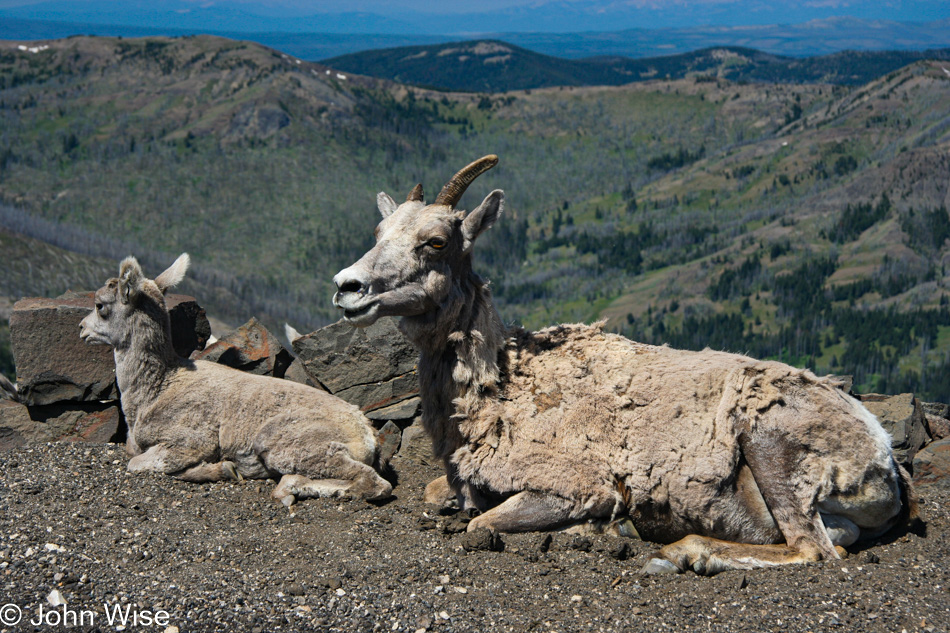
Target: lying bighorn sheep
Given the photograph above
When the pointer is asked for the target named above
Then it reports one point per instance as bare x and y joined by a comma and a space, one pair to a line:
200, 421
540, 430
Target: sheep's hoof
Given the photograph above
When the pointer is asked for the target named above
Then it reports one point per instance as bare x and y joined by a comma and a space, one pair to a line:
623, 527
659, 566
288, 500
230, 471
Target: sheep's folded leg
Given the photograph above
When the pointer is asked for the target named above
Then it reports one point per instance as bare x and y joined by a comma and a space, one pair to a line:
205, 472
371, 488
709, 556
771, 458
160, 459
526, 511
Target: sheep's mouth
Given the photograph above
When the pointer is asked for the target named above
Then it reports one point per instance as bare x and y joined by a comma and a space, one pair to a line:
361, 316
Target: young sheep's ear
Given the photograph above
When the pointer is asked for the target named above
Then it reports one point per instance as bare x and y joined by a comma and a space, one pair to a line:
482, 218
385, 203
130, 279
174, 274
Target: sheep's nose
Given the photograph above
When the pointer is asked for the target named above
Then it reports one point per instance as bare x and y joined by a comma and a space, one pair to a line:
351, 285
348, 283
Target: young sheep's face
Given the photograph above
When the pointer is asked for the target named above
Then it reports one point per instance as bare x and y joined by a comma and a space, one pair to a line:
128, 299
109, 323
419, 254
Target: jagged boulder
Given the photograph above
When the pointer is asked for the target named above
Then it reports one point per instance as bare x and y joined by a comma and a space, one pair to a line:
251, 348
297, 373
932, 463
938, 419
68, 421
373, 368
903, 417
54, 365
416, 444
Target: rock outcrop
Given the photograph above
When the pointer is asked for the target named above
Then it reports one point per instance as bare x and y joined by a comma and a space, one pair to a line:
251, 348
66, 389
373, 368
54, 365
903, 417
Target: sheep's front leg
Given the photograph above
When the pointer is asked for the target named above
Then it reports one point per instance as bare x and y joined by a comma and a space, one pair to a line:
205, 472
181, 465
156, 459
527, 511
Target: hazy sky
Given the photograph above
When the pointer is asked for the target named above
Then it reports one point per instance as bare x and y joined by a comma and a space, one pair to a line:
423, 16
856, 8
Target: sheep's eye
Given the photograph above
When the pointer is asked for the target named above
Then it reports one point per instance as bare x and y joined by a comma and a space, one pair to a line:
438, 243
102, 310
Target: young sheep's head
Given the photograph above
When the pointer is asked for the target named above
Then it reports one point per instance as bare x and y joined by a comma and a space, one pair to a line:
128, 298
422, 252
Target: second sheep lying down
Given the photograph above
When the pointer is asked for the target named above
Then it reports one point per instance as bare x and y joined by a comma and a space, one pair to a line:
200, 421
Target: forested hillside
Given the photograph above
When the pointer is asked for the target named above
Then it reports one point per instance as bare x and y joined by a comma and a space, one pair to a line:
496, 66
802, 222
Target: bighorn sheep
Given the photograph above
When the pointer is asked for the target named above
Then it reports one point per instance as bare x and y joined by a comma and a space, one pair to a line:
200, 421
736, 463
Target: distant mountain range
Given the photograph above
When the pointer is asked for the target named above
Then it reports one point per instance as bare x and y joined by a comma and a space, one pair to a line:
329, 36
496, 66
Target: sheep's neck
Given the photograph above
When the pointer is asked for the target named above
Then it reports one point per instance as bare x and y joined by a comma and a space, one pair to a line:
459, 345
142, 366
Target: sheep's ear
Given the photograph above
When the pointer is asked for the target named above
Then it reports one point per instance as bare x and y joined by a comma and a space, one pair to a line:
482, 218
291, 332
175, 273
385, 203
130, 280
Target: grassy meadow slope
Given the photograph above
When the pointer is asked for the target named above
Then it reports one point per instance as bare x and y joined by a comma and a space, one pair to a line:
777, 219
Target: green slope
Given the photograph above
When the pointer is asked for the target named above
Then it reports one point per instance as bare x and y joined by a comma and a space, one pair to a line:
697, 211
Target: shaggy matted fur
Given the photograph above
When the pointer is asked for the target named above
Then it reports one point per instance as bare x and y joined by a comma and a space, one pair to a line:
730, 455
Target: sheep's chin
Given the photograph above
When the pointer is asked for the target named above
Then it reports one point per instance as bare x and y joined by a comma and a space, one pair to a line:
362, 317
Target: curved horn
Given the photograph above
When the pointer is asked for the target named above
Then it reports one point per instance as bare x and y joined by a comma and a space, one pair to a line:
453, 189
416, 194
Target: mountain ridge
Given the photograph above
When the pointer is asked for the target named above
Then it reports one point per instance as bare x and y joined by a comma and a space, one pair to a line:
817, 37
498, 66
797, 221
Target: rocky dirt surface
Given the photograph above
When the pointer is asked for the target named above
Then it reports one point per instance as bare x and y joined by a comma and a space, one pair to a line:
75, 527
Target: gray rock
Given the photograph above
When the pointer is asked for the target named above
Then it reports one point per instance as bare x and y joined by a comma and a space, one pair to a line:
902, 417
402, 410
936, 408
937, 426
251, 348
932, 463
53, 364
938, 419
389, 437
297, 373
416, 444
373, 368
483, 540
71, 422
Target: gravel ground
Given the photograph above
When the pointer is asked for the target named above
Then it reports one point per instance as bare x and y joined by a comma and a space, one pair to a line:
225, 557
